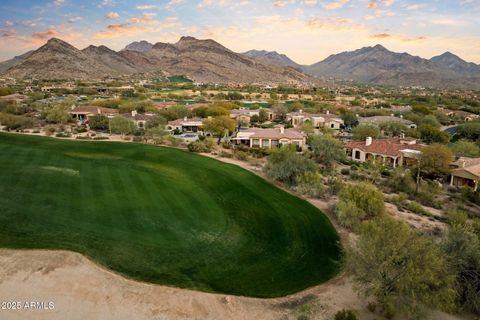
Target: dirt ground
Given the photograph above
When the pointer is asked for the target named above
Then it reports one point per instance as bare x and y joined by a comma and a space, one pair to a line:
80, 289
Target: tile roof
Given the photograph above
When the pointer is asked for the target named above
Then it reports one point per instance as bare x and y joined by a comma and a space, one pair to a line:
275, 133
92, 110
388, 147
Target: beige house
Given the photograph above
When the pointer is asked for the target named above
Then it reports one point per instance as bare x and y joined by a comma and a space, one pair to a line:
392, 152
83, 113
269, 138
466, 173
15, 98
186, 125
326, 120
243, 114
139, 119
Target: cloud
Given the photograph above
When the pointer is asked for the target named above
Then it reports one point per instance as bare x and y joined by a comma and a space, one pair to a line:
74, 19
449, 22
211, 3
174, 3
105, 3
8, 33
280, 3
335, 5
143, 19
8, 23
112, 15
136, 26
146, 7
59, 2
310, 3
372, 4
44, 35
400, 38
377, 3
413, 7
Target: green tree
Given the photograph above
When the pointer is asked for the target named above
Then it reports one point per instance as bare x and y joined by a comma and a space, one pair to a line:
357, 202
13, 122
58, 114
219, 126
469, 130
434, 161
462, 246
431, 120
98, 122
363, 131
350, 119
155, 121
121, 125
393, 128
401, 268
157, 134
463, 148
431, 134
286, 165
280, 111
262, 115
311, 184
327, 150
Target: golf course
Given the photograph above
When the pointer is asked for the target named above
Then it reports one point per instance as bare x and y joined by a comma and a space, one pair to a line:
163, 216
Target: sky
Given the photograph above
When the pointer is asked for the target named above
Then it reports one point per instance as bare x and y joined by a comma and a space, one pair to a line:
306, 30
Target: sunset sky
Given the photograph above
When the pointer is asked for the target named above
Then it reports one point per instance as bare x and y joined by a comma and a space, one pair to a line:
306, 30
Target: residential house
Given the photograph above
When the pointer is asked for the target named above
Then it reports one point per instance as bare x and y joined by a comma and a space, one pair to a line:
83, 113
15, 98
164, 104
140, 119
466, 172
392, 152
244, 115
194, 106
186, 125
269, 138
380, 120
458, 114
325, 120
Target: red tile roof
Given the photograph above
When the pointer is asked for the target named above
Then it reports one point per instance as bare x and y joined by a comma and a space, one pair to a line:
388, 147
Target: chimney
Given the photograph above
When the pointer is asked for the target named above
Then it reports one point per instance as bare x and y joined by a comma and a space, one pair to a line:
462, 163
368, 141
301, 111
185, 118
328, 111
392, 115
134, 113
282, 129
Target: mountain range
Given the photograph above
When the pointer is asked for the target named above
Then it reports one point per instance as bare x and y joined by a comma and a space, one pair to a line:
200, 60
209, 61
378, 65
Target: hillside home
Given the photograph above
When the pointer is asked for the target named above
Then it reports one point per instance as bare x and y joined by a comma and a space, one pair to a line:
466, 172
380, 120
164, 104
194, 106
139, 119
326, 120
244, 114
392, 152
186, 125
82, 113
269, 138
458, 114
15, 98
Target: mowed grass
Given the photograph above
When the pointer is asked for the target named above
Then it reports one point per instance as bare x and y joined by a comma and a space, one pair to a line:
163, 216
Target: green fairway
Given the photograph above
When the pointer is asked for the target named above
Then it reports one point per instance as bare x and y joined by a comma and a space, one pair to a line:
162, 215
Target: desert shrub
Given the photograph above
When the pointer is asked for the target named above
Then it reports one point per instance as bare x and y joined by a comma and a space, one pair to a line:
13, 122
204, 146
225, 154
241, 155
345, 315
345, 171
137, 139
311, 184
417, 208
63, 135
286, 165
50, 130
359, 201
